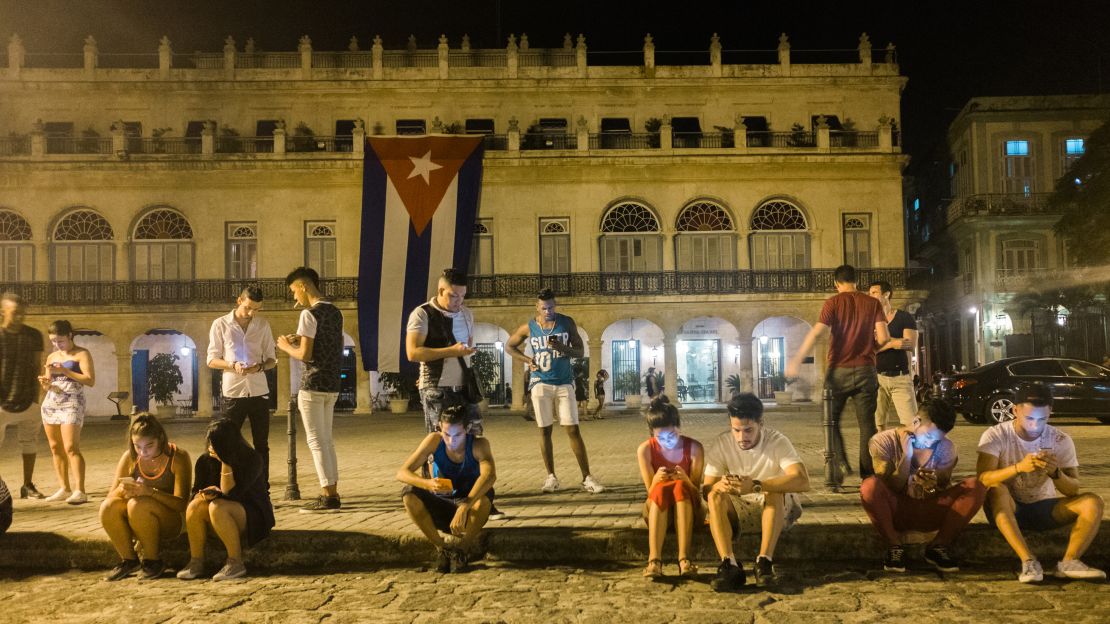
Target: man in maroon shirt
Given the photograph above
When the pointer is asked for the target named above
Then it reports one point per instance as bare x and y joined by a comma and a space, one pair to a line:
857, 328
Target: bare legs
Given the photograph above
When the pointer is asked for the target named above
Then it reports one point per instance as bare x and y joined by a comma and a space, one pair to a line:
658, 521
141, 518
476, 519
577, 445
65, 450
226, 518
722, 517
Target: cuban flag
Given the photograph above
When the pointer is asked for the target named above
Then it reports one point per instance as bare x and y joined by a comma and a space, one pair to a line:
419, 200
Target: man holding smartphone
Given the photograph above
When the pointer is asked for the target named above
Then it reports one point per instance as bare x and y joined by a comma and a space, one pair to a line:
751, 464
1032, 471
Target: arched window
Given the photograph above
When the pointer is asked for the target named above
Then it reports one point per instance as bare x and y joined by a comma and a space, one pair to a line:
779, 239
82, 249
481, 250
242, 250
705, 241
629, 239
857, 240
17, 254
163, 247
554, 246
320, 250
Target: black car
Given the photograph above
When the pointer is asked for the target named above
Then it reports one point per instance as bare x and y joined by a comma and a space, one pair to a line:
986, 394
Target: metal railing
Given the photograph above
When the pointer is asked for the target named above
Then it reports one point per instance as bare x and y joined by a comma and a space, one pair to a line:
267, 60
800, 138
999, 204
548, 141
15, 145
343, 60
495, 142
516, 285
853, 139
78, 145
547, 57
244, 145
342, 143
163, 145
623, 140
415, 58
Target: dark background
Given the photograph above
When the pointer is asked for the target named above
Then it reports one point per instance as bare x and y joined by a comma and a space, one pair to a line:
950, 51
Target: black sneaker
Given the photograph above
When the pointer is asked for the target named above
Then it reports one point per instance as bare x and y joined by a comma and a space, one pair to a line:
152, 569
495, 513
123, 569
729, 577
322, 504
895, 560
764, 572
443, 561
941, 560
460, 561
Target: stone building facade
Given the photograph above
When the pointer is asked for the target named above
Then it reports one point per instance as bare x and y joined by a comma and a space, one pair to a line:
688, 216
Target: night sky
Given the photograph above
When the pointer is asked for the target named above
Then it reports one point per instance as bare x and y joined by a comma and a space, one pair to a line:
950, 51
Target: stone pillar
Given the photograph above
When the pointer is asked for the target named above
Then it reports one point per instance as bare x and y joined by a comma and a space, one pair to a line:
304, 46
204, 387
38, 139
886, 135
165, 58
580, 56
465, 46
865, 52
568, 44
670, 363
744, 363
823, 141
363, 396
519, 381
514, 135
666, 134
583, 134
444, 53
284, 388
358, 137
512, 57
16, 56
123, 376
524, 41
279, 137
784, 54
649, 57
597, 347
208, 138
91, 57
437, 125
889, 57
229, 58
352, 45
715, 56
118, 138
740, 135
376, 53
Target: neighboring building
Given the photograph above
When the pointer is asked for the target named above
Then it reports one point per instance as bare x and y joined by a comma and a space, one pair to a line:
998, 246
689, 217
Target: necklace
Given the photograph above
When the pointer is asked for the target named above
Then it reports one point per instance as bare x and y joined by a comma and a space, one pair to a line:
547, 332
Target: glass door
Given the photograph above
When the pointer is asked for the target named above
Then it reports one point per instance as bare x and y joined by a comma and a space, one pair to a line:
698, 371
771, 355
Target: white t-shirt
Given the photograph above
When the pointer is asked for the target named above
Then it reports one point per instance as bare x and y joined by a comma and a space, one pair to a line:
769, 458
461, 322
1003, 442
306, 324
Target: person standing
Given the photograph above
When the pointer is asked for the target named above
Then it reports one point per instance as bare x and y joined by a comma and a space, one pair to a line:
599, 393
897, 392
319, 344
68, 370
857, 329
20, 362
241, 344
651, 383
554, 340
439, 336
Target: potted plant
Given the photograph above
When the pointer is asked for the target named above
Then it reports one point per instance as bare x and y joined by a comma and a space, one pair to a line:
164, 379
630, 384
784, 396
732, 382
485, 367
400, 388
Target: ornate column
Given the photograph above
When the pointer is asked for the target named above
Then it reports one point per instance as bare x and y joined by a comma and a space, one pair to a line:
784, 55
118, 138
823, 141
514, 135
649, 57
512, 57
582, 133
165, 58
715, 56
666, 134
886, 134
229, 58
376, 53
740, 135
580, 56
358, 137
279, 137
91, 57
208, 138
444, 54
304, 46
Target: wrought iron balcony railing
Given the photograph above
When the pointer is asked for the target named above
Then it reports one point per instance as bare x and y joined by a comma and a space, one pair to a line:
999, 204
508, 286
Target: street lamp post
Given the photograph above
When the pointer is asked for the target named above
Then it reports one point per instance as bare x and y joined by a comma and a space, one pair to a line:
834, 478
292, 491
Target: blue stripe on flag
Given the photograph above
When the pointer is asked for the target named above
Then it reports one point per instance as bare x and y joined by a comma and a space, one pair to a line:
416, 284
470, 191
370, 257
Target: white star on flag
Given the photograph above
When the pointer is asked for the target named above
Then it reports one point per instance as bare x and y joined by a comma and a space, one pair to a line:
423, 167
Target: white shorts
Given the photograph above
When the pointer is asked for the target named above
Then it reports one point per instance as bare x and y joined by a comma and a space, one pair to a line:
547, 398
29, 425
749, 510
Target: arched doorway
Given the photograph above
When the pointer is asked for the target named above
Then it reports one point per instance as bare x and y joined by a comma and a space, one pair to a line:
707, 350
774, 340
179, 348
636, 344
103, 352
490, 363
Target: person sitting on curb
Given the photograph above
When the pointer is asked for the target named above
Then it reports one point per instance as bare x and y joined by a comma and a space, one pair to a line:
457, 498
147, 498
231, 497
1032, 471
753, 461
671, 467
912, 488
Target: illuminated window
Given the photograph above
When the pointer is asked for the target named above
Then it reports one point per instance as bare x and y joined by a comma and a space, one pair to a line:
1017, 148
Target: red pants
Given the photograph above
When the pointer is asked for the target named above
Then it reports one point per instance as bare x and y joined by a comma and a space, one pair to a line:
947, 513
667, 493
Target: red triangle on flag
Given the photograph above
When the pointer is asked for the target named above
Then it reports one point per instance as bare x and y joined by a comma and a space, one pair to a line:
421, 168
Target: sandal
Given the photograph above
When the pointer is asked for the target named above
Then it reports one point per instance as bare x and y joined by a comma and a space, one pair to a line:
654, 569
687, 568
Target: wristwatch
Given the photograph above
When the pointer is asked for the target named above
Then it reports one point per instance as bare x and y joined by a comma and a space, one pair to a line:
757, 487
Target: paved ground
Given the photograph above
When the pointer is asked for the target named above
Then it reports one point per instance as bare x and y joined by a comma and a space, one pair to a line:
503, 593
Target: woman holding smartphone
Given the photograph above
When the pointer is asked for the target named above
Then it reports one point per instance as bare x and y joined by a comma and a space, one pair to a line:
671, 466
231, 498
147, 499
69, 369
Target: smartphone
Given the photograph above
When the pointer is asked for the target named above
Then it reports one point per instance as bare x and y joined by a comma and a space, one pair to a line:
128, 481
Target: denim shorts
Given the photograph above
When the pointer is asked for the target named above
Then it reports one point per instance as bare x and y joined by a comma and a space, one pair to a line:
1036, 516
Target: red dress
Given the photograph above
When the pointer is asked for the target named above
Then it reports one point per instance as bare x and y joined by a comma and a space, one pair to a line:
667, 493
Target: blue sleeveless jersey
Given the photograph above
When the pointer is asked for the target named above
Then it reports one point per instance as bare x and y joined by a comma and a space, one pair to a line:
554, 368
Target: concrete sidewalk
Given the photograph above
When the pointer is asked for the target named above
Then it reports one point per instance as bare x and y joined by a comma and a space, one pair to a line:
567, 526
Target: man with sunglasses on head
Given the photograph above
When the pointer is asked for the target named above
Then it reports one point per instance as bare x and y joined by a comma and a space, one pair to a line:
1033, 474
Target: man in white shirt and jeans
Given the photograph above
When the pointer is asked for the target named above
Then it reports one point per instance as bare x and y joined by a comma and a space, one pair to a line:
1032, 471
241, 345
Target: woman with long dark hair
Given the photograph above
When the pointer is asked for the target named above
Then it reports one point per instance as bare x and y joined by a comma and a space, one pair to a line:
69, 369
231, 498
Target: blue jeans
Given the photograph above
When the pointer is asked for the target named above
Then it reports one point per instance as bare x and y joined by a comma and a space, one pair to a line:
859, 384
432, 399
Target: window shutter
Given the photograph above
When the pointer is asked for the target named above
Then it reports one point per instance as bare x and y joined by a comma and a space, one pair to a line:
682, 252
547, 255
330, 258
562, 246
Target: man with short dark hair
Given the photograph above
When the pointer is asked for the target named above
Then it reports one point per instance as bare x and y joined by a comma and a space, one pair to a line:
854, 323
319, 344
897, 399
554, 340
440, 336
241, 344
1032, 471
751, 463
21, 363
912, 488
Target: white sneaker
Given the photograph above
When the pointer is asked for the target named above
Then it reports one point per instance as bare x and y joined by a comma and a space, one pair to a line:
550, 484
591, 485
77, 498
1031, 572
1076, 569
61, 495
